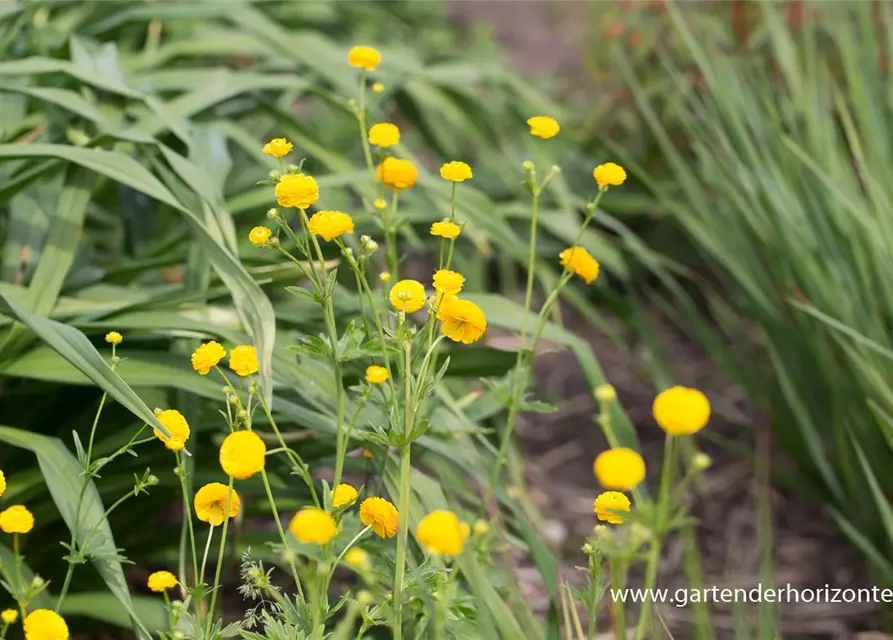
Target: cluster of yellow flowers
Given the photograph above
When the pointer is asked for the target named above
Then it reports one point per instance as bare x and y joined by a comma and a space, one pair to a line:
679, 411
39, 624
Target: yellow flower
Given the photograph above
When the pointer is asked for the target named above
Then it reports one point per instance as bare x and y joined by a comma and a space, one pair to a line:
16, 519
176, 425
465, 528
343, 495
440, 533
330, 224
9, 616
481, 527
455, 171
113, 337
377, 87
380, 204
207, 356
462, 320
259, 235
367, 453
408, 296
296, 190
445, 229
543, 127
242, 454
620, 468
681, 411
449, 282
2, 483
278, 147
364, 57
161, 581
384, 134
609, 505
578, 261
374, 375
243, 360
397, 174
605, 393
356, 557
381, 514
609, 174
43, 624
385, 276
210, 503
313, 525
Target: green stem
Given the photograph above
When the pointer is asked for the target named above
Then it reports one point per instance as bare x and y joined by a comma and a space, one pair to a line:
663, 515
361, 121
18, 568
341, 555
229, 500
390, 234
201, 573
285, 548
404, 498
187, 508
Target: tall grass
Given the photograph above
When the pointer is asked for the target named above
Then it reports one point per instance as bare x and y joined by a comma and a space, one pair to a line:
783, 191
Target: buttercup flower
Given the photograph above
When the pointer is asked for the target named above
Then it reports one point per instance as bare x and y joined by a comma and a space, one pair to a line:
543, 127
364, 57
43, 624
449, 282
330, 224
356, 557
210, 503
296, 190
465, 528
243, 360
440, 533
384, 134
16, 519
397, 174
462, 320
681, 411
374, 375
9, 616
2, 483
242, 454
176, 425
259, 235
578, 261
445, 229
381, 514
161, 581
609, 505
408, 296
313, 525
385, 276
343, 495
455, 171
113, 337
481, 527
278, 147
207, 356
380, 204
367, 453
609, 174
377, 87
620, 468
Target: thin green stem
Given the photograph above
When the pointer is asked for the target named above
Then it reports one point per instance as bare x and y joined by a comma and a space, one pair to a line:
282, 538
663, 510
390, 234
343, 552
361, 121
404, 498
18, 566
226, 517
187, 514
201, 573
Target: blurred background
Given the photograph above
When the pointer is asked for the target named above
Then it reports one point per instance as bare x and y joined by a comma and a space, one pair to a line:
750, 254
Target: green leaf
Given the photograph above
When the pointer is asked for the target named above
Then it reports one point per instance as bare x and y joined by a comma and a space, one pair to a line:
73, 345
106, 608
63, 478
7, 559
